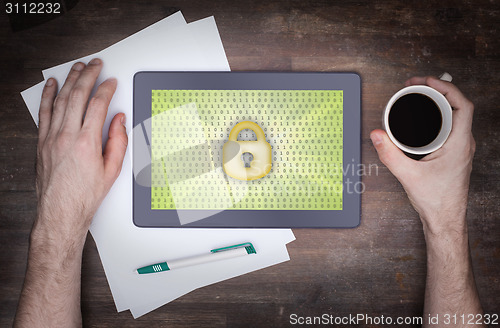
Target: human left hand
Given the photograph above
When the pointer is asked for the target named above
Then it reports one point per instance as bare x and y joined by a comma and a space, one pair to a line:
73, 173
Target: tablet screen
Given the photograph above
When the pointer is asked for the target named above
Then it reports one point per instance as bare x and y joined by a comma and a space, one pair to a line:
189, 130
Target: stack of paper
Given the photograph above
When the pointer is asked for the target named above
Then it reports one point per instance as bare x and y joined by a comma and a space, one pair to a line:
169, 45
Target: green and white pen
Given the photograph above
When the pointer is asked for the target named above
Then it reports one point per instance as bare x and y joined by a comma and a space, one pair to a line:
214, 255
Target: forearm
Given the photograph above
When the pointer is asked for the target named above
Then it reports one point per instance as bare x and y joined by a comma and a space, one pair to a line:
51, 292
450, 287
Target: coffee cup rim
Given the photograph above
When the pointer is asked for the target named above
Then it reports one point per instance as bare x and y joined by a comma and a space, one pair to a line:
446, 113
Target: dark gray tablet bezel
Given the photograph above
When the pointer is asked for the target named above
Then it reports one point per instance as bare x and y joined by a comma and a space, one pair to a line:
350, 83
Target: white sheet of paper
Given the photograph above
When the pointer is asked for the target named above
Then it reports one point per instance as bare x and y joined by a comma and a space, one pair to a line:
31, 97
141, 51
122, 246
273, 253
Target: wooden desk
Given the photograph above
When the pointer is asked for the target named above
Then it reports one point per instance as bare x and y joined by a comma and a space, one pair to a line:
376, 269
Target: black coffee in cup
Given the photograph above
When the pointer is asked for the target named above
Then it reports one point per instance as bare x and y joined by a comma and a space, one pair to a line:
415, 120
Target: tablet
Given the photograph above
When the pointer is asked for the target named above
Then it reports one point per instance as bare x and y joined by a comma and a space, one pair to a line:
246, 149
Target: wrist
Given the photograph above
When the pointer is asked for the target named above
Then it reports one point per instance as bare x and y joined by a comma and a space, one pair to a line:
446, 234
441, 223
61, 223
56, 235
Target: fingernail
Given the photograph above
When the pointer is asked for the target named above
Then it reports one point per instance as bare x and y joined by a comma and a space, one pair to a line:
95, 61
376, 139
78, 66
112, 79
123, 120
50, 82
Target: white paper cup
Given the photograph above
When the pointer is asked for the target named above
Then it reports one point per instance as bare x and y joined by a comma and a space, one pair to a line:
444, 107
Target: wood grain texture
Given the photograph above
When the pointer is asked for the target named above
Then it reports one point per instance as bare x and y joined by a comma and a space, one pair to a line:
377, 268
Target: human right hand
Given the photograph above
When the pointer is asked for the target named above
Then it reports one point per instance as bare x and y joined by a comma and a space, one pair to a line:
438, 184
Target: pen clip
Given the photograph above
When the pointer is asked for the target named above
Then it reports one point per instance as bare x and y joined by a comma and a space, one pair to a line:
248, 246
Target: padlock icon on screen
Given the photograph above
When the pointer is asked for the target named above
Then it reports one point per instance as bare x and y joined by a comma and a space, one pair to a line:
234, 150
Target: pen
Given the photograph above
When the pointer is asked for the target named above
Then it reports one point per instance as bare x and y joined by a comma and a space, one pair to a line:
214, 255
